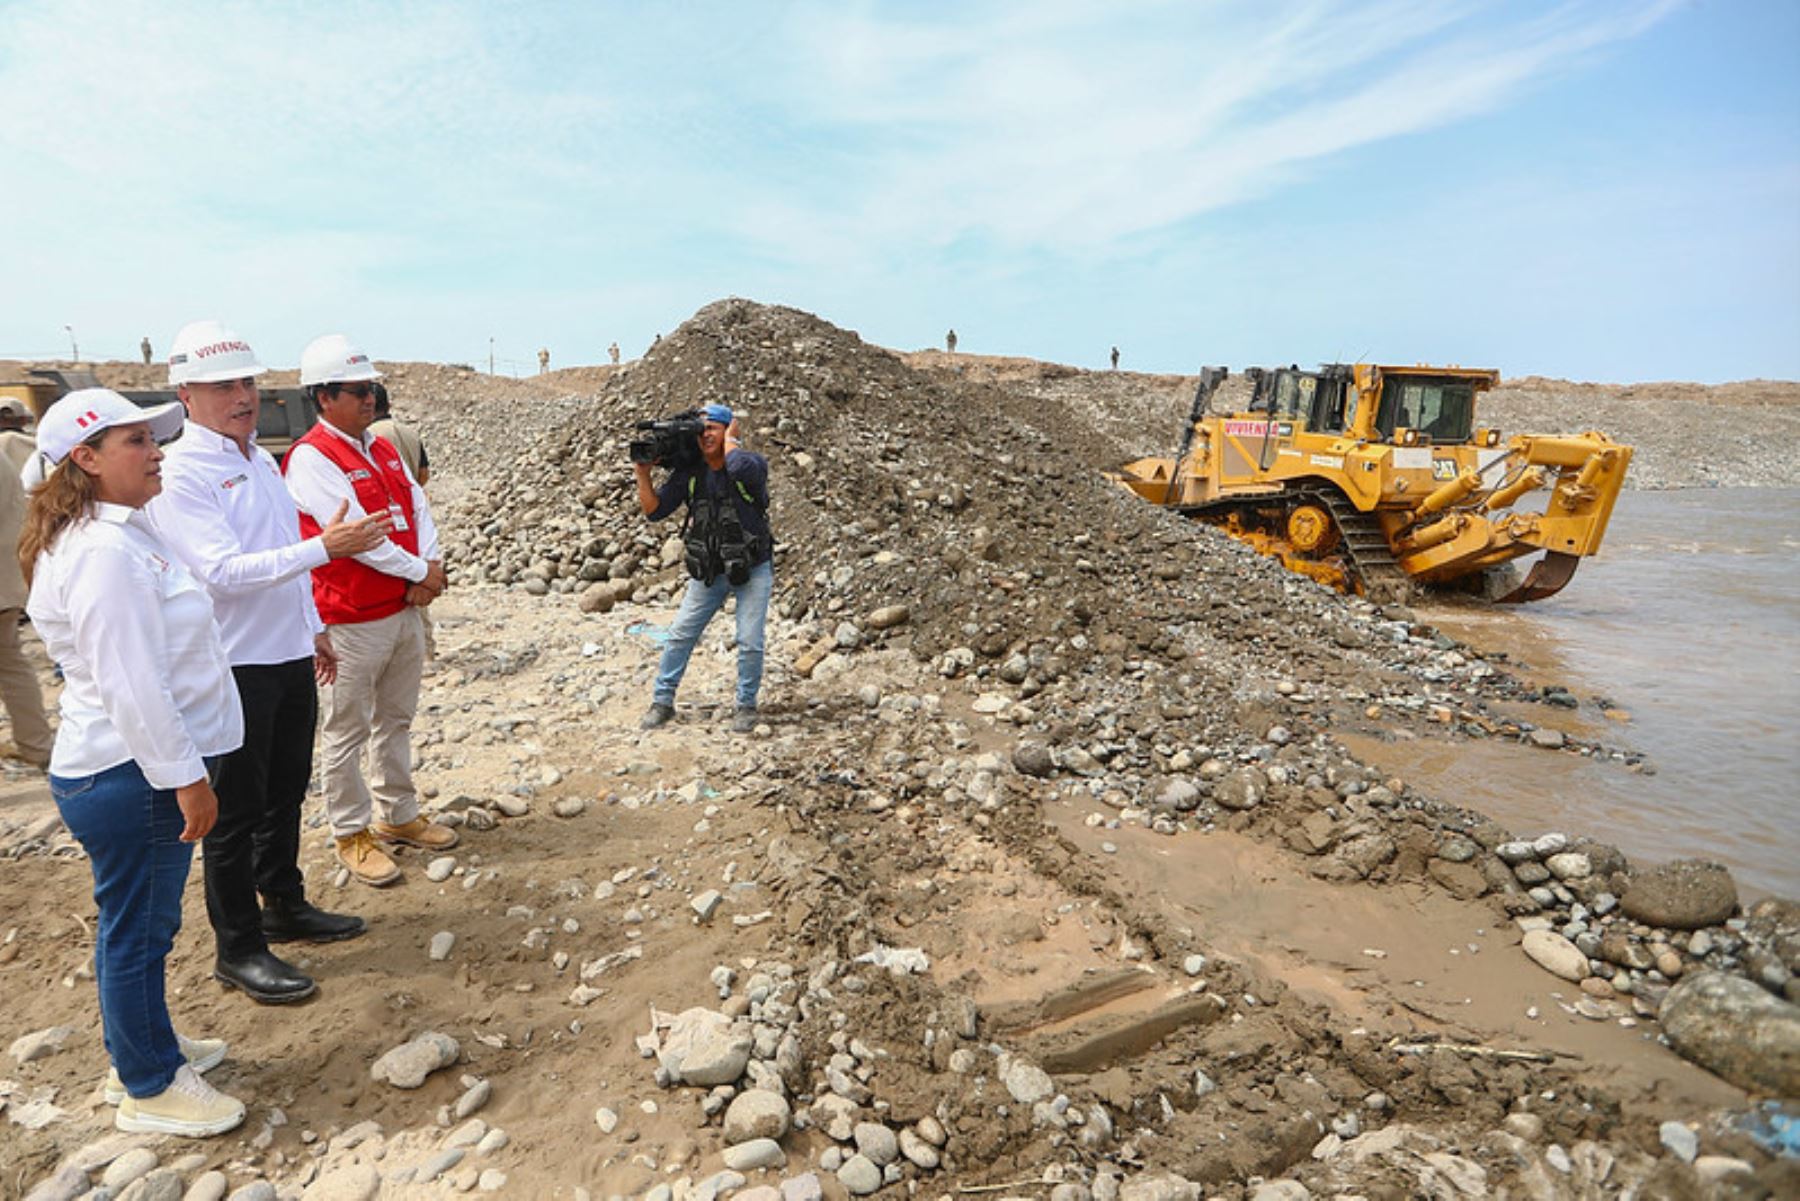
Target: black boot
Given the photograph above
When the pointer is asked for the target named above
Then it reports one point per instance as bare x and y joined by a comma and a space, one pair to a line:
264, 978
299, 920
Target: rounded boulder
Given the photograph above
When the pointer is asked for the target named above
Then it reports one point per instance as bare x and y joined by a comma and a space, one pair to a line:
757, 1113
1736, 1030
1685, 894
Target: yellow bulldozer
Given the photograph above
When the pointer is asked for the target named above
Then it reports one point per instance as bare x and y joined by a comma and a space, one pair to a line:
1368, 478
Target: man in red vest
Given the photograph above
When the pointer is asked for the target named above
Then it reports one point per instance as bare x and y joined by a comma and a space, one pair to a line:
373, 605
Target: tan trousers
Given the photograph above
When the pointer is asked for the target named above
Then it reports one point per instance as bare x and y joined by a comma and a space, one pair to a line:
380, 665
20, 693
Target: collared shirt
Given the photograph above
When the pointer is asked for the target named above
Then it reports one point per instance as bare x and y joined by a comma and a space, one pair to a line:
146, 677
234, 525
319, 487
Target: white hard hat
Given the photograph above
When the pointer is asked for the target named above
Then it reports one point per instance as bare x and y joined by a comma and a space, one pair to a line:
80, 415
205, 352
335, 359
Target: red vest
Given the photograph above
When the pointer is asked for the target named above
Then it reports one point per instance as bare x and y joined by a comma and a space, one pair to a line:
348, 592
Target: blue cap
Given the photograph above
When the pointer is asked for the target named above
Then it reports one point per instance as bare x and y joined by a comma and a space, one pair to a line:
717, 413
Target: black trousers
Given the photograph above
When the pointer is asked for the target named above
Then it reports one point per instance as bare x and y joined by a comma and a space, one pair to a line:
255, 846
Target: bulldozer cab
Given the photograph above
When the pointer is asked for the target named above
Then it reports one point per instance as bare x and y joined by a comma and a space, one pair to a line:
1318, 399
1423, 406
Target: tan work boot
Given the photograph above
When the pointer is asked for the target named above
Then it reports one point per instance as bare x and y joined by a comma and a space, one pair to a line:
202, 1054
366, 860
419, 832
189, 1106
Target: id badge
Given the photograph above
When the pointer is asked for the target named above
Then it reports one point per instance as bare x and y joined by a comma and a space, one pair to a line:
399, 516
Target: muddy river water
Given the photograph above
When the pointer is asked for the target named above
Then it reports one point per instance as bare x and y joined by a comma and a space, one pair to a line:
1689, 620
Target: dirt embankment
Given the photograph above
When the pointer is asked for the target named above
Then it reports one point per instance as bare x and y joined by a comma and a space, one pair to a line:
1047, 869
1684, 435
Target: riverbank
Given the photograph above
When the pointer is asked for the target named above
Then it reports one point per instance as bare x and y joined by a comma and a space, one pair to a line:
1049, 869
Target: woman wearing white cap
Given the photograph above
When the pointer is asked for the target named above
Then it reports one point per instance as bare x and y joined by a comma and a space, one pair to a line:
149, 704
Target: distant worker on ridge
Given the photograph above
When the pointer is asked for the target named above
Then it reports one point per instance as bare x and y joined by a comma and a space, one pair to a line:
612, 352
950, 341
144, 349
1115, 358
543, 360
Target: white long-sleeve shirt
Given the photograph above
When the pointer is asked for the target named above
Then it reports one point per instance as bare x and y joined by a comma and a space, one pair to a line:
146, 676
318, 487
233, 522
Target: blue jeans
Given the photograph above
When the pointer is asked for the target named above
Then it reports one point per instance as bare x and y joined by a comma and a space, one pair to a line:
132, 835
698, 605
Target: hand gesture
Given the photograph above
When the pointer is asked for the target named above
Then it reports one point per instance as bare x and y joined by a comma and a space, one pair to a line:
345, 538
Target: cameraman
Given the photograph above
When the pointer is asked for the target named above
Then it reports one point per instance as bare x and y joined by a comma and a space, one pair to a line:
728, 553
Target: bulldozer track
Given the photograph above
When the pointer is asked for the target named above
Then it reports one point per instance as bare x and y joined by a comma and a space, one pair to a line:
1365, 545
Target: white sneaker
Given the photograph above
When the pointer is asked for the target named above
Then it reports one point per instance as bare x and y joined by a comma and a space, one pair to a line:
189, 1106
202, 1054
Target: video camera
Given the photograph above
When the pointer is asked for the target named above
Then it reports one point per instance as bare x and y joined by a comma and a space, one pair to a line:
673, 442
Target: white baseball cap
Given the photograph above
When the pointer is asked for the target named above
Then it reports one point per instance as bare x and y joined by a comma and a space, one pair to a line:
80, 415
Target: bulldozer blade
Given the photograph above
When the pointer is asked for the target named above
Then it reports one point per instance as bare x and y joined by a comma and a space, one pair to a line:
1548, 575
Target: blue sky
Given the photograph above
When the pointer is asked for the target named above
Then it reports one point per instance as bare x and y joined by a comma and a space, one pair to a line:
1605, 191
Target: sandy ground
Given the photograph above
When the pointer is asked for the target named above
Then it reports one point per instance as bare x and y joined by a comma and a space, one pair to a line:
1053, 931
1406, 960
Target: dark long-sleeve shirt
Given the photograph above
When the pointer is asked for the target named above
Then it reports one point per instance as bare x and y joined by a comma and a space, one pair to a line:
741, 467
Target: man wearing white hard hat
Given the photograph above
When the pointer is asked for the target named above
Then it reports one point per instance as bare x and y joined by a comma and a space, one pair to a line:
226, 511
373, 605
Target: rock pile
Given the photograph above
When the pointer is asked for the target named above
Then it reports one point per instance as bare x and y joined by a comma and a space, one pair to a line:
748, 1056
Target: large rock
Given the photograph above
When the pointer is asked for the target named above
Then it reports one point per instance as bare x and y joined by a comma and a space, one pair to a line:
756, 1113
38, 1044
1242, 789
705, 1047
876, 1141
1025, 1081
353, 1182
754, 1154
1364, 853
1555, 954
1736, 1030
835, 1115
1683, 895
859, 1176
1033, 759
407, 1065
1164, 1186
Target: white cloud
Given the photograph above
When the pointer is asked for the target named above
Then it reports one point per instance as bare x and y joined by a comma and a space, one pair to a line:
415, 167
1071, 126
